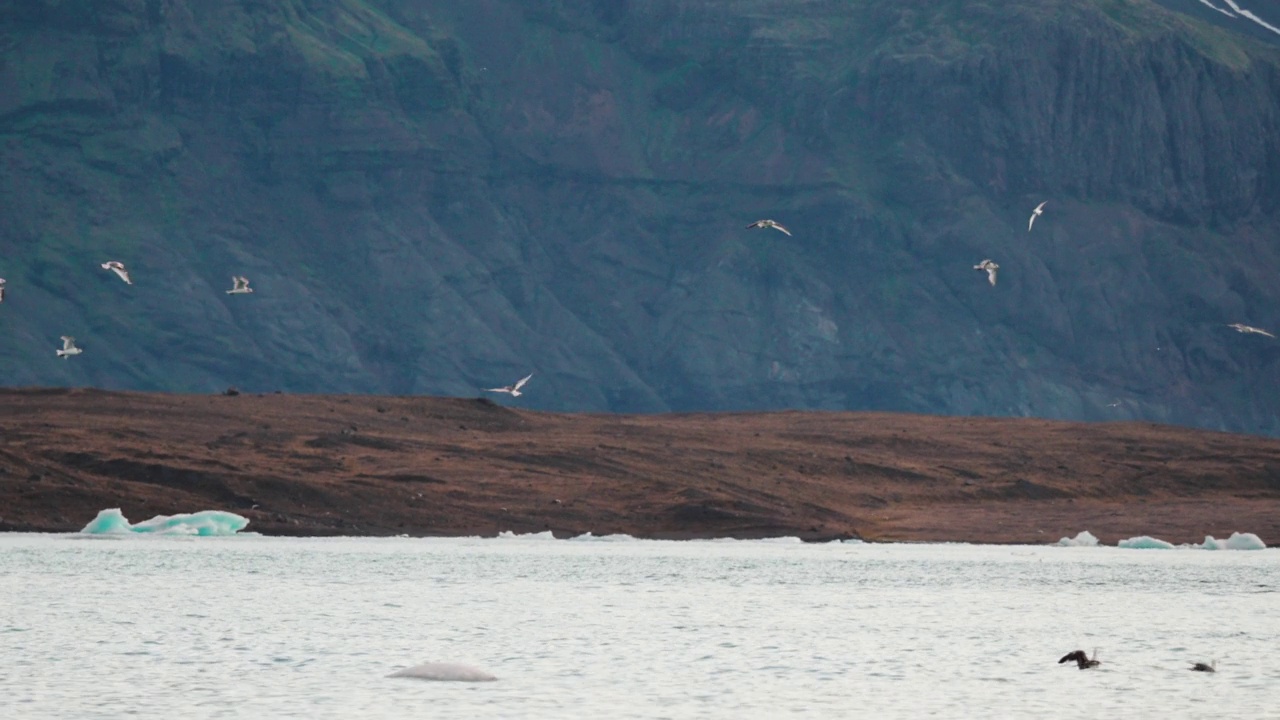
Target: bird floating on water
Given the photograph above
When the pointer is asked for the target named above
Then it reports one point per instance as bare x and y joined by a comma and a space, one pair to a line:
1250, 329
1035, 214
1, 289
240, 285
68, 347
1201, 667
513, 390
768, 224
117, 267
991, 269
1084, 663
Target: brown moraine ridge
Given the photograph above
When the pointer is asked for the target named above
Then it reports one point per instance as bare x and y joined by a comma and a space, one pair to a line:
370, 465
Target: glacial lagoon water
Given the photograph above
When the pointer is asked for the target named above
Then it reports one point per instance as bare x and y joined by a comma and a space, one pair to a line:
256, 627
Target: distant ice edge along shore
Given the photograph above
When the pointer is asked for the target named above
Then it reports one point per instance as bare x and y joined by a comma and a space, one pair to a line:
1237, 541
220, 523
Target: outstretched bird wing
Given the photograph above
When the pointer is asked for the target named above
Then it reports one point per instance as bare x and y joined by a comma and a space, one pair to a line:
776, 226
523, 380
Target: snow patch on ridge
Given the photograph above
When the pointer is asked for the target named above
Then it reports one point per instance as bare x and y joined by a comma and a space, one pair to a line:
1250, 16
1211, 6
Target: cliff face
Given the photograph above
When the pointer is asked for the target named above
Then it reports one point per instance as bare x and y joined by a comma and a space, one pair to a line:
435, 198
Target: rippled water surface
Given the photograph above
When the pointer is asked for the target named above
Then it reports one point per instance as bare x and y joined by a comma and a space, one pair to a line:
258, 627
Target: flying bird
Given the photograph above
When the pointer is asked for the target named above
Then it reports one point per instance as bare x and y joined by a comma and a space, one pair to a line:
1201, 667
240, 285
68, 347
1035, 214
768, 224
991, 269
514, 390
1250, 329
1084, 663
117, 267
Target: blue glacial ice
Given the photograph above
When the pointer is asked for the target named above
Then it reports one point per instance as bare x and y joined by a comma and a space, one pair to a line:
206, 522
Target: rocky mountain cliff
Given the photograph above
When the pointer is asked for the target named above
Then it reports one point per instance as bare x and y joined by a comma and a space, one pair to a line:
433, 197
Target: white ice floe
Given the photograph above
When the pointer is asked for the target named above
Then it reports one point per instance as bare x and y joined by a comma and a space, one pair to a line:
1237, 541
206, 522
1083, 539
1145, 542
616, 537
544, 535
444, 671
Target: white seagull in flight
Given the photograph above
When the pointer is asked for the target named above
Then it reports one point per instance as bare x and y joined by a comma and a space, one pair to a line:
768, 224
117, 267
990, 267
68, 347
1035, 214
514, 390
1250, 329
241, 285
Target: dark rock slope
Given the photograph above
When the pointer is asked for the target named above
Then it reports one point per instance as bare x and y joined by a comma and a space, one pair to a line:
436, 197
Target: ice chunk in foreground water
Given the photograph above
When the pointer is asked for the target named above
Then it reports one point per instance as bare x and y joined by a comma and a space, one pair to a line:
205, 522
444, 671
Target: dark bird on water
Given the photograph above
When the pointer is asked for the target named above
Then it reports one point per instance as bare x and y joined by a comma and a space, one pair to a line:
1201, 667
1084, 663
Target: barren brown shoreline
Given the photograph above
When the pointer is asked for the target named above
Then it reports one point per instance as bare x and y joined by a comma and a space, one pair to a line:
366, 465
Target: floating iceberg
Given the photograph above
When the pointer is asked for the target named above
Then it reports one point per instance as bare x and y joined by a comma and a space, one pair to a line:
1145, 542
1237, 541
207, 522
1083, 539
589, 537
446, 672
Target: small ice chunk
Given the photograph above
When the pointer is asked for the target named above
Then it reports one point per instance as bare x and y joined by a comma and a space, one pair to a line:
1083, 539
204, 523
444, 671
1145, 542
1237, 541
